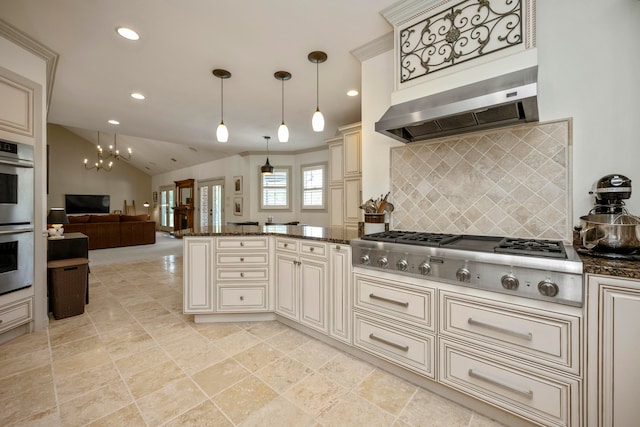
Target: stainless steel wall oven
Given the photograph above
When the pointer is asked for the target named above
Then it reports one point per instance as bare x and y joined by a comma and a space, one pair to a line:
16, 216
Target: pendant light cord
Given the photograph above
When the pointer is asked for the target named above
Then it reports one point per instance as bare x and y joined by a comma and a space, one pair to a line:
282, 101
317, 87
221, 100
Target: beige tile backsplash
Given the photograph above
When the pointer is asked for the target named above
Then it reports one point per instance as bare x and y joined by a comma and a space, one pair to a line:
513, 182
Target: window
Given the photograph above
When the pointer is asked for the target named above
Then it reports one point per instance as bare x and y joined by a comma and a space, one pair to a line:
313, 178
274, 189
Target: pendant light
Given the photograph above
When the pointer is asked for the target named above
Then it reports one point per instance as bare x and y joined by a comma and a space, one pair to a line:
318, 119
222, 133
267, 169
283, 131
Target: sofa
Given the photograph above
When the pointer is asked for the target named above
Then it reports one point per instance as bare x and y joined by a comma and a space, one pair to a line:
114, 230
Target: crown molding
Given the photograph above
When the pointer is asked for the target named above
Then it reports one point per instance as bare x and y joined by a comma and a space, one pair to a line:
404, 10
50, 57
374, 48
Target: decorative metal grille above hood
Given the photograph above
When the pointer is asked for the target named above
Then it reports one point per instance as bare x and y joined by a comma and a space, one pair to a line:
500, 101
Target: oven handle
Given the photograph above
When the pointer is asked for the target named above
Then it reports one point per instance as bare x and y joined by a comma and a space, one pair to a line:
18, 163
18, 231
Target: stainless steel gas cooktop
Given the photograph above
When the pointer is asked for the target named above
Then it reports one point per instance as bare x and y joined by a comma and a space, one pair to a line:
531, 268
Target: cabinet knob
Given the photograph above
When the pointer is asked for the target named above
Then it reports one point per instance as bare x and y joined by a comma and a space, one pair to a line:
241, 274
241, 259
311, 249
338, 247
286, 245
241, 243
241, 298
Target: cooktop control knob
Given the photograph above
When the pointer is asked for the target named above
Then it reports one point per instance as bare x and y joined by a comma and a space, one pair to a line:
548, 288
383, 262
364, 259
463, 275
425, 268
509, 281
402, 265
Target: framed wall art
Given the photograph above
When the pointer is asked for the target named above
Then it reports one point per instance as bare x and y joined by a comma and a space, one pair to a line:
237, 185
237, 206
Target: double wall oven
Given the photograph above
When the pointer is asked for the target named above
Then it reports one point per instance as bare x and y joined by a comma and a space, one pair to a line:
16, 216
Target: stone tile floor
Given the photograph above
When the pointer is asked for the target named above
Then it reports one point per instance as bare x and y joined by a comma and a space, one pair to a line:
134, 359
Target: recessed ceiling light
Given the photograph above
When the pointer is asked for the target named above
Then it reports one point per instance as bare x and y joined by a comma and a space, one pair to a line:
128, 33
352, 92
114, 122
137, 95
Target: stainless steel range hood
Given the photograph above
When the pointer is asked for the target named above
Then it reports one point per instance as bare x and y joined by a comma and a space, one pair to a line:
504, 100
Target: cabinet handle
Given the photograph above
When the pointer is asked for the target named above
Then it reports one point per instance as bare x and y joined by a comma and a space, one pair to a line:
241, 259
338, 247
524, 335
241, 274
241, 298
519, 390
389, 343
391, 301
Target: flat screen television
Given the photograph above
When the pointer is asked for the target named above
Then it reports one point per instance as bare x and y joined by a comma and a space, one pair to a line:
86, 203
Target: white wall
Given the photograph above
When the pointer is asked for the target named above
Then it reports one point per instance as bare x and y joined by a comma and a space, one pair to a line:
249, 168
588, 60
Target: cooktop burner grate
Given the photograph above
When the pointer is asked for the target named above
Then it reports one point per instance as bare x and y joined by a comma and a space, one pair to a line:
534, 247
387, 236
427, 239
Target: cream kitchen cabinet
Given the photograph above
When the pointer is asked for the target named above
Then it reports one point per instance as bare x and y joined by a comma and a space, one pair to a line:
198, 275
18, 119
613, 307
516, 356
340, 292
395, 320
226, 275
301, 281
345, 173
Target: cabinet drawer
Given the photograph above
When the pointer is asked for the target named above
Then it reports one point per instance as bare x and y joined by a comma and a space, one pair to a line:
223, 258
242, 274
313, 248
223, 243
242, 298
394, 343
288, 245
536, 395
16, 314
414, 305
540, 336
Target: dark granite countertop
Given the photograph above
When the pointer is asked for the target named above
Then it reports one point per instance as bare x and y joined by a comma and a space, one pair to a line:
332, 235
610, 267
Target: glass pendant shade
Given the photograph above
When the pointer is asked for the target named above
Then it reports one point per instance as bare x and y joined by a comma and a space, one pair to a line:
283, 133
317, 121
222, 133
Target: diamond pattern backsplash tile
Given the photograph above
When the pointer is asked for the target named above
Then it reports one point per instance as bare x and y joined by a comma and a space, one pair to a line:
508, 182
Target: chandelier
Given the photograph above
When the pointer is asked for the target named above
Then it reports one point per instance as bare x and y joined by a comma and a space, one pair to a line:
102, 156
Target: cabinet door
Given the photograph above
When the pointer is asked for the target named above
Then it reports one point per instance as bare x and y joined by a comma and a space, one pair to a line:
286, 292
198, 272
18, 107
336, 163
614, 344
313, 296
352, 154
352, 200
340, 292
336, 206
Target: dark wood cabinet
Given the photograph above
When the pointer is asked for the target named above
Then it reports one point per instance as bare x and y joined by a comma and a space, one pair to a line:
184, 208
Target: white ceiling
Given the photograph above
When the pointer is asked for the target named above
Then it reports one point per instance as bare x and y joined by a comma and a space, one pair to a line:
182, 41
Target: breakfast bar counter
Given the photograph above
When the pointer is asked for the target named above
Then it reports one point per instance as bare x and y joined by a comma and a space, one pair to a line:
330, 235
